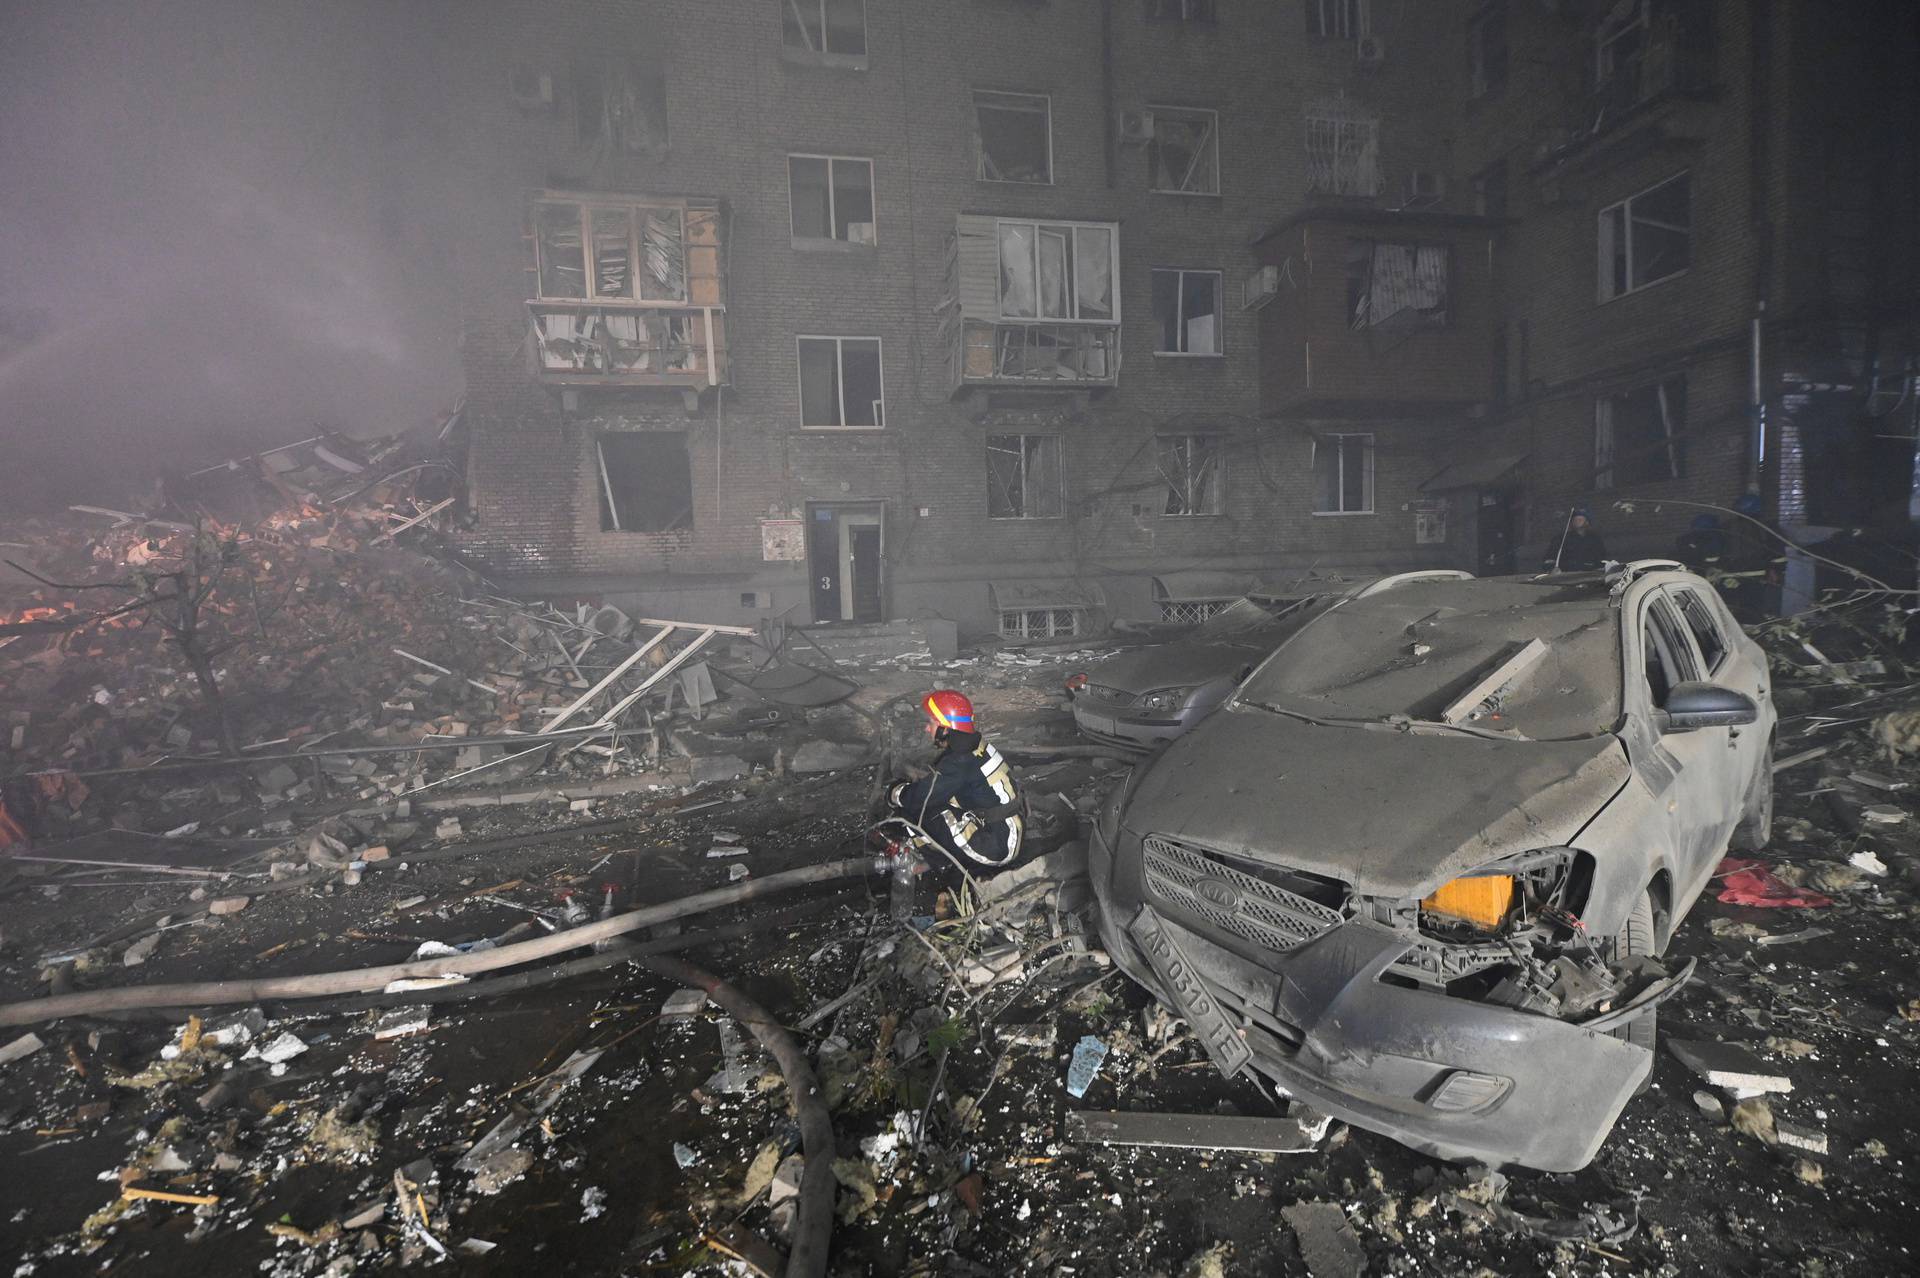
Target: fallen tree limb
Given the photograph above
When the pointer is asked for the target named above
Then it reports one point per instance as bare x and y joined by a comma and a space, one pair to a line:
367, 980
814, 1225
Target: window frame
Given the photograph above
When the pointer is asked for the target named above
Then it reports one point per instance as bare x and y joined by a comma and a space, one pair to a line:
1481, 85
1422, 319
1340, 474
635, 211
1112, 230
1156, 12
1665, 636
980, 140
814, 241
839, 341
1606, 461
1217, 441
1053, 630
1180, 293
823, 56
1213, 143
1606, 36
610, 509
1337, 121
1696, 612
1026, 482
1604, 241
1355, 15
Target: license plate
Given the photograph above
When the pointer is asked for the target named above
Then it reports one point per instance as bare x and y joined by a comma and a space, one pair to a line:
1183, 985
1100, 723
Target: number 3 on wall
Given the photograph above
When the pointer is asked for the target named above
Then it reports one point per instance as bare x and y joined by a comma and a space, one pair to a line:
826, 583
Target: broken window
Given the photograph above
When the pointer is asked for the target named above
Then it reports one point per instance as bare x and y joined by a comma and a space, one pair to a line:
1014, 134
1037, 300
1187, 311
1343, 475
1341, 19
1183, 156
620, 104
1639, 435
1039, 623
1056, 271
1668, 659
831, 198
834, 27
1343, 149
1180, 10
1487, 50
1619, 42
840, 383
1707, 636
1646, 238
1191, 465
646, 481
618, 237
1396, 285
1023, 477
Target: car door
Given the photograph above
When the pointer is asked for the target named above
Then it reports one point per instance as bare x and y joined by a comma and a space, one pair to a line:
1696, 760
1733, 666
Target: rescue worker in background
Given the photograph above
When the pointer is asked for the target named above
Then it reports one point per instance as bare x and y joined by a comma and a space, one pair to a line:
1579, 548
967, 803
1703, 547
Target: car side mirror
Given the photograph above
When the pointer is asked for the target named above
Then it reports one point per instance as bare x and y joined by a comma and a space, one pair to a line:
1705, 705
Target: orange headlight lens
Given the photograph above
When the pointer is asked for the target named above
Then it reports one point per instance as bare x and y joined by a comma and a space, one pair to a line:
1482, 900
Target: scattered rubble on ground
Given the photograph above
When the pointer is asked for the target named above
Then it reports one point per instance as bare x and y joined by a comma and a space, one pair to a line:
1002, 1101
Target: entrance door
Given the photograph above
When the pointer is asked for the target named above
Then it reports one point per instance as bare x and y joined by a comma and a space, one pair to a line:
844, 561
1493, 555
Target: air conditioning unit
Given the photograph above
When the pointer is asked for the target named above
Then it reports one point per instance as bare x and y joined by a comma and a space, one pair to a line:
530, 88
1261, 285
1136, 127
1424, 187
1369, 51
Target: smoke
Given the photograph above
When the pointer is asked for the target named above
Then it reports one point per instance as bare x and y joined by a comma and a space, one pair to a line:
223, 223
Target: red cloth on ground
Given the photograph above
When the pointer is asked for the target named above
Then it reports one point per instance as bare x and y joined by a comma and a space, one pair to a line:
1746, 882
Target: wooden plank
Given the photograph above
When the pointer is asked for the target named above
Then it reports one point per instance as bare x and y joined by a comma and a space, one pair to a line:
667, 628
1190, 1131
1508, 671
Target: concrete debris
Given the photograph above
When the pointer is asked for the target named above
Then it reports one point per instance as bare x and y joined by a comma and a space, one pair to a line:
786, 1179
1289, 1135
827, 756
403, 1022
1710, 1105
20, 1048
1729, 1066
1807, 1139
682, 1004
1327, 1242
229, 904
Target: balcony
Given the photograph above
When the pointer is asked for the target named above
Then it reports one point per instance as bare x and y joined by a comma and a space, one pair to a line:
1033, 304
1650, 58
627, 292
1377, 313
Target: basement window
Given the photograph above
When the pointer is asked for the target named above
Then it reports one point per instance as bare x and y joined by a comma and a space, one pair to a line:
1187, 311
1023, 477
646, 481
1339, 19
1343, 149
840, 383
833, 32
1039, 623
1191, 467
1343, 475
1646, 238
1014, 136
1396, 285
1639, 435
1180, 10
1183, 156
831, 197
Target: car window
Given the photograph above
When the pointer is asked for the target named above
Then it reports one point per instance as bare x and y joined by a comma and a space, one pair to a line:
1669, 657
1707, 635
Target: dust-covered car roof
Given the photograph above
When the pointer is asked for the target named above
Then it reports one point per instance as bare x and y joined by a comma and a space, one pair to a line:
1413, 650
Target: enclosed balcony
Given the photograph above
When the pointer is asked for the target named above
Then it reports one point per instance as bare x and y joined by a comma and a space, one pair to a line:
1034, 303
627, 292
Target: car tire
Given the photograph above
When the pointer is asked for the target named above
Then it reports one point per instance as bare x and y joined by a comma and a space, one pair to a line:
1755, 830
1637, 938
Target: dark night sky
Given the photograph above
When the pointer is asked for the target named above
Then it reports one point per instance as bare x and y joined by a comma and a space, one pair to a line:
201, 196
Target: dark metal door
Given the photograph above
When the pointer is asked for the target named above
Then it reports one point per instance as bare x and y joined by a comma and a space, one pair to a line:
864, 543
823, 562
1494, 532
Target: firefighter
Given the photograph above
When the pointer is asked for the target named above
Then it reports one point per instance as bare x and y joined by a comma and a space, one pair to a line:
1579, 547
967, 803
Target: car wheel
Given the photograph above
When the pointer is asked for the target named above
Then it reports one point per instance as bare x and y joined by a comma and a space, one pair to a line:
1755, 830
1636, 938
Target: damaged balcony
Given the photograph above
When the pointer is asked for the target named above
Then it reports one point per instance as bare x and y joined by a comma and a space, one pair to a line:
1034, 304
1375, 312
627, 293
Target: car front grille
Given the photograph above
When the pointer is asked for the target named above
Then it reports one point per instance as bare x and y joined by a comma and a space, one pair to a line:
1203, 884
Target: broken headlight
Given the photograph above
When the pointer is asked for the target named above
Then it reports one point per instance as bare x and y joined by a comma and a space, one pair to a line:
1499, 898
1164, 699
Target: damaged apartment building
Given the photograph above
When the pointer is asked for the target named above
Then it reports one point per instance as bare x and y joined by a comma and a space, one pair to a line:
1032, 314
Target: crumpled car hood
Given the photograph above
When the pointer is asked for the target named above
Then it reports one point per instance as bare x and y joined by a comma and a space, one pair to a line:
1392, 813
1178, 664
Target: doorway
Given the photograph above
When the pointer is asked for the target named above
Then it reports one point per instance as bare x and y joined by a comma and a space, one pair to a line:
845, 542
1493, 555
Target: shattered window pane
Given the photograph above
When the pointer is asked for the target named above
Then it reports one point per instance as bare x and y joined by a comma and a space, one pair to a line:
612, 252
1017, 295
1093, 271
826, 26
646, 481
840, 382
1343, 474
1639, 435
1191, 466
1056, 272
1184, 153
1405, 283
1187, 311
1054, 268
1023, 477
1013, 133
663, 254
819, 382
563, 261
860, 374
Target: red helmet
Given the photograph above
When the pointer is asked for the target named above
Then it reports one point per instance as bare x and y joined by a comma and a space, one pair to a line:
948, 709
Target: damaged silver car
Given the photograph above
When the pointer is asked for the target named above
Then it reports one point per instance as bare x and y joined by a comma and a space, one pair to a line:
1420, 869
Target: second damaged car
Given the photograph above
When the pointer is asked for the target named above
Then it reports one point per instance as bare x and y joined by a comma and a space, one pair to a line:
1420, 869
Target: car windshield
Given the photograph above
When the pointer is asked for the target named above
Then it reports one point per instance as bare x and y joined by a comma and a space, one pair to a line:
1540, 659
1244, 617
